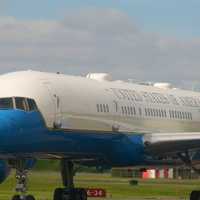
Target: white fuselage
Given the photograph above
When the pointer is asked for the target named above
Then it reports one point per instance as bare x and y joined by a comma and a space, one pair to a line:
86, 104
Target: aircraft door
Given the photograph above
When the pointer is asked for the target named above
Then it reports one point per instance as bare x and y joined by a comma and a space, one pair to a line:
58, 114
56, 102
116, 126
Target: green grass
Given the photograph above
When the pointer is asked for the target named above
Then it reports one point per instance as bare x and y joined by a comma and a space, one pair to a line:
42, 185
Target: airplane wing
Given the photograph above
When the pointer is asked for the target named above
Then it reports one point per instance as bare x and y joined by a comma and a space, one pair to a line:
161, 144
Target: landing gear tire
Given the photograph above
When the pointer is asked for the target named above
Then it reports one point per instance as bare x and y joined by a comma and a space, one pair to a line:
195, 195
16, 197
83, 194
58, 194
30, 197
70, 194
80, 194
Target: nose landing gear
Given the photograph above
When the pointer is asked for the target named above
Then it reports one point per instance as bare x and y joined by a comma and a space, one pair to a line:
22, 179
69, 192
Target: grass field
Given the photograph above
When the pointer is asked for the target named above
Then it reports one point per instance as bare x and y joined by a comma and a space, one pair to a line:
42, 185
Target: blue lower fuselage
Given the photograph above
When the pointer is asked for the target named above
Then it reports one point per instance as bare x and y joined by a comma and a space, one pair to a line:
24, 134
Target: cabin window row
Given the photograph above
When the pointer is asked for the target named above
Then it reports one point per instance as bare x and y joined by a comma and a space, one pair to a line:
128, 110
152, 112
103, 108
180, 115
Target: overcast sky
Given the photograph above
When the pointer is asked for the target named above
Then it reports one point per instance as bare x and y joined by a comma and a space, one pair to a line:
152, 40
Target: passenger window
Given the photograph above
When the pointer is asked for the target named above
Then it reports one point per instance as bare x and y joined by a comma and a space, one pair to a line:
151, 111
165, 113
183, 115
6, 103
154, 112
145, 110
159, 113
20, 103
125, 110
140, 111
128, 110
162, 113
104, 108
186, 115
178, 114
134, 110
131, 110
107, 108
173, 114
170, 114
191, 116
32, 105
122, 110
101, 108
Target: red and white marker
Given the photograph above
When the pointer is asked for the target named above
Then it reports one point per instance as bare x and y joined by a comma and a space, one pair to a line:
96, 192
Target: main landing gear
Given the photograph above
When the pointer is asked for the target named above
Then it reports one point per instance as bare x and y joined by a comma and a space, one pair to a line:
195, 195
69, 192
21, 178
186, 158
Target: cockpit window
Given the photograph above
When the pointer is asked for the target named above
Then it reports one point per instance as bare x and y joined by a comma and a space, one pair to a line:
6, 103
20, 103
32, 105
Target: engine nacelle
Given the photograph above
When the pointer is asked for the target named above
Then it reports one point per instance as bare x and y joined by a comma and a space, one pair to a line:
4, 171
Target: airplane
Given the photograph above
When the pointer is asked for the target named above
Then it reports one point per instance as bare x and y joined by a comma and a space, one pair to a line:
93, 121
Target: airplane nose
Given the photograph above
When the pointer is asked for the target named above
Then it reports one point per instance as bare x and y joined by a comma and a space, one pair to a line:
16, 129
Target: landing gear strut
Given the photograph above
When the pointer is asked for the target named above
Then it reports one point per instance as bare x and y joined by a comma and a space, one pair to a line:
69, 192
22, 179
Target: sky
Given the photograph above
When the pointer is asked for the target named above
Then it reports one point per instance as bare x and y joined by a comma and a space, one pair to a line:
147, 40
